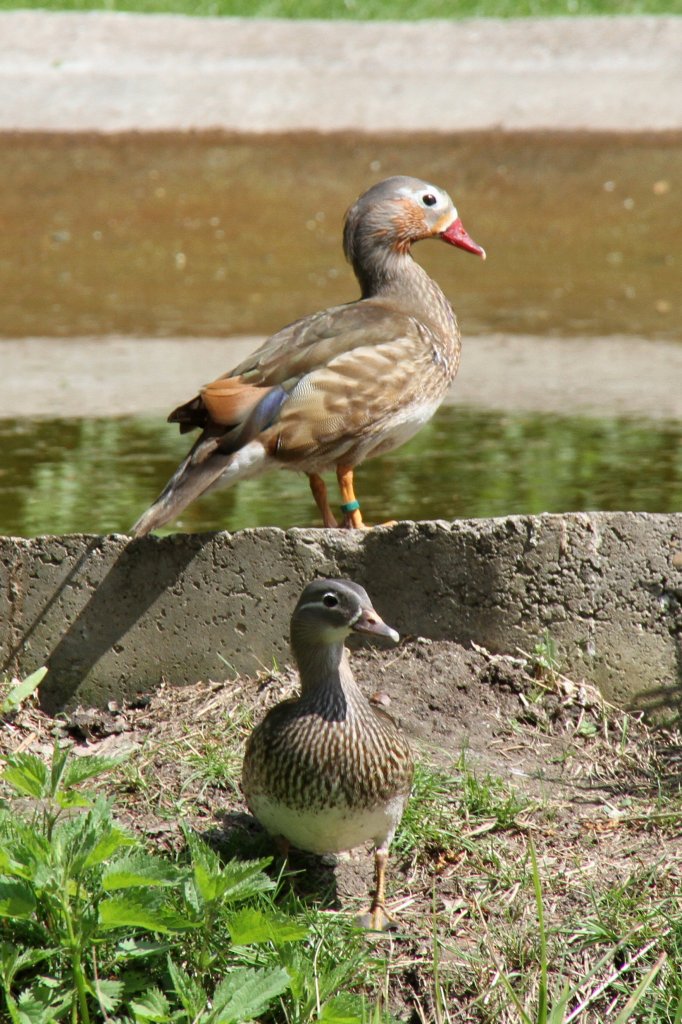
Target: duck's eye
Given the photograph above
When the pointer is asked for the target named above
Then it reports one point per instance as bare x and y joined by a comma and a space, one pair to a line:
330, 600
429, 199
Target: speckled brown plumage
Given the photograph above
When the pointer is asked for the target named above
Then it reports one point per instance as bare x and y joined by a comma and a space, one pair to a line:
328, 748
327, 771
342, 385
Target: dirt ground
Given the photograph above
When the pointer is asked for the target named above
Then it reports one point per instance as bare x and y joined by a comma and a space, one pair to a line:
587, 782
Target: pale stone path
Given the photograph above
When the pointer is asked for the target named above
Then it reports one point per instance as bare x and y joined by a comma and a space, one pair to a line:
614, 376
116, 71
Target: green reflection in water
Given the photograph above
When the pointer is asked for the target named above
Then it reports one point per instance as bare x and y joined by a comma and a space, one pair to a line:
66, 476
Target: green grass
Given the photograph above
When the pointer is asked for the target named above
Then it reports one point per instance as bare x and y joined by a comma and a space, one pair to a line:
14, 692
359, 10
560, 1000
446, 806
218, 759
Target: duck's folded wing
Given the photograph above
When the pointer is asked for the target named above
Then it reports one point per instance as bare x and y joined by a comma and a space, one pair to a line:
356, 397
314, 342
285, 358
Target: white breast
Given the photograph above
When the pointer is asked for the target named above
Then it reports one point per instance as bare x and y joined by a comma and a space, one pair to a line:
331, 829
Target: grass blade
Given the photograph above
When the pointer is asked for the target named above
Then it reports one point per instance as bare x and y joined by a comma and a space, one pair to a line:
537, 886
21, 690
636, 997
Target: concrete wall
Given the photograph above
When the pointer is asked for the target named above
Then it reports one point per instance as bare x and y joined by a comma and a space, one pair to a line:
111, 617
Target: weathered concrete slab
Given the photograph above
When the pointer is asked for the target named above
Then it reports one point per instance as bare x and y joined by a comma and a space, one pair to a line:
111, 617
104, 71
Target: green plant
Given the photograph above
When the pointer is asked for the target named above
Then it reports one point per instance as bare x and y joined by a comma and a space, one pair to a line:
488, 798
369, 9
20, 690
429, 823
218, 760
243, 994
83, 901
545, 664
334, 959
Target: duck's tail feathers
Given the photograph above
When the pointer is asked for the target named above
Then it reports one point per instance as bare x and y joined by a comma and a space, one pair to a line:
199, 472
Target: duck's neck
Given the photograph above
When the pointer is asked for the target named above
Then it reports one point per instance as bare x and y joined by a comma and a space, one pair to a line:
390, 273
326, 678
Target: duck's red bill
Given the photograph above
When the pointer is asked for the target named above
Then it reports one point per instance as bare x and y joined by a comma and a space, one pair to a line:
456, 235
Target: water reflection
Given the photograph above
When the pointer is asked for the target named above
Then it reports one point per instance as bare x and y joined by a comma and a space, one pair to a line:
65, 476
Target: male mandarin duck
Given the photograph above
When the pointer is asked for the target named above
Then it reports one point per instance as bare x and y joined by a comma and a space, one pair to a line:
327, 771
341, 385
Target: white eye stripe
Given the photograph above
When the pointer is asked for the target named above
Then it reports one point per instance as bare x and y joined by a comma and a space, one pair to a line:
424, 190
308, 606
317, 604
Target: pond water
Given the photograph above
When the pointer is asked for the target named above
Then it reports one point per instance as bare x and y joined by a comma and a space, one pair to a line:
191, 235
201, 234
97, 476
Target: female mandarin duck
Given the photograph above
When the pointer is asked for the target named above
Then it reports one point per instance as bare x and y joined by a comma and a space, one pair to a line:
339, 386
327, 771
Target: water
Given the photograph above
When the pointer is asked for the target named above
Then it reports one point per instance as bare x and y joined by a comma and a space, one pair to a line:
197, 234
63, 476
216, 235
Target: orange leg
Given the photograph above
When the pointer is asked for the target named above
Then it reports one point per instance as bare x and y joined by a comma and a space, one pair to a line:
319, 489
350, 506
376, 919
380, 918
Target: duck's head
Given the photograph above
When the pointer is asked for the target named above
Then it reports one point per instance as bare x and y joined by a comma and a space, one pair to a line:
329, 610
398, 211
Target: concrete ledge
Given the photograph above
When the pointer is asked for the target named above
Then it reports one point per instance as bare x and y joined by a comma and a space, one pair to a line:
111, 617
98, 71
